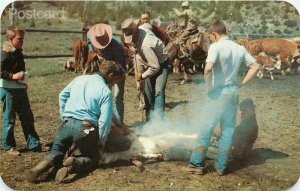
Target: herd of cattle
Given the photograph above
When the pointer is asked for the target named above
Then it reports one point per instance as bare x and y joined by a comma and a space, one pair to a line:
273, 54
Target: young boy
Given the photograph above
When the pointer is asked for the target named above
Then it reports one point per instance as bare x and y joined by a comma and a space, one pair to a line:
13, 93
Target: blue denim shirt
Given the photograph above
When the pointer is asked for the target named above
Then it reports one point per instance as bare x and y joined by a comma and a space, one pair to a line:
113, 52
88, 98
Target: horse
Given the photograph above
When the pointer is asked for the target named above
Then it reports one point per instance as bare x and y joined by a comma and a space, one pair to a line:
197, 44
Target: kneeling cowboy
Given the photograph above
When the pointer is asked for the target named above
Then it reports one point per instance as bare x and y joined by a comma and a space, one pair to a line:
86, 112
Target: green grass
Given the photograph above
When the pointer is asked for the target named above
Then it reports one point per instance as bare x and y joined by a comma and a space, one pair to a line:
47, 79
38, 43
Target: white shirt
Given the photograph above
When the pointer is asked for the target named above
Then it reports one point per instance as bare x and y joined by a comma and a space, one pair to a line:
150, 50
226, 57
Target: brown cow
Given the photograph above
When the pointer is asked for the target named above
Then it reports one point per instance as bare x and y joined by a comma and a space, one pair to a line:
80, 53
297, 42
268, 64
283, 49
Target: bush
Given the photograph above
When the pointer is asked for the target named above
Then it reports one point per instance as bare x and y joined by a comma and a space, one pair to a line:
276, 23
263, 21
248, 6
287, 31
259, 9
290, 23
277, 31
263, 30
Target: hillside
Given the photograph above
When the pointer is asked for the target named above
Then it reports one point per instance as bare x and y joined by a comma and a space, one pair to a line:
267, 18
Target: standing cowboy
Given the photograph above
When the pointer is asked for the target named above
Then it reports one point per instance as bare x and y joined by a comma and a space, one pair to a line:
158, 31
222, 65
101, 40
153, 56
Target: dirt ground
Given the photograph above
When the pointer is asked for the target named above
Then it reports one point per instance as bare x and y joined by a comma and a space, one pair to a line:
273, 165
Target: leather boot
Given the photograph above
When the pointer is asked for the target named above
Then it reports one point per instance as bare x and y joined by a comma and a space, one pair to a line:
33, 174
68, 168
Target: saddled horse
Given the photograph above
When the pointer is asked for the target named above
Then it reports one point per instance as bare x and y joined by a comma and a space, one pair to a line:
198, 45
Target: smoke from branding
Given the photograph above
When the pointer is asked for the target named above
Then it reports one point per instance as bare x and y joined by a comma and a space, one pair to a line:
180, 128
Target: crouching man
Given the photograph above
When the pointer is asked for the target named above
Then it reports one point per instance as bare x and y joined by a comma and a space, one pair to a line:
246, 132
244, 136
86, 113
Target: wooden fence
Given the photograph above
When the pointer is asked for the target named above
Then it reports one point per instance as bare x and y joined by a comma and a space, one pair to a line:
84, 31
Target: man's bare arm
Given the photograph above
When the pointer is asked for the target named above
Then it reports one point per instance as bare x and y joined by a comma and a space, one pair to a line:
253, 69
208, 75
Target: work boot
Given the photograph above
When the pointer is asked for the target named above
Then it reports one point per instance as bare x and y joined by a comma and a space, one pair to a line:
33, 174
220, 173
41, 148
193, 170
13, 151
69, 165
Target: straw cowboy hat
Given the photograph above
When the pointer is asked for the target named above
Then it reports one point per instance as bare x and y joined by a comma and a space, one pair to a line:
185, 4
128, 27
100, 35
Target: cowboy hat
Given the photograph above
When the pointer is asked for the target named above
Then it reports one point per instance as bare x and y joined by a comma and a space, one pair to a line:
128, 27
185, 4
100, 35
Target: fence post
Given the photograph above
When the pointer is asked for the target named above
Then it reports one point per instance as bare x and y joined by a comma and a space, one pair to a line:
11, 14
84, 20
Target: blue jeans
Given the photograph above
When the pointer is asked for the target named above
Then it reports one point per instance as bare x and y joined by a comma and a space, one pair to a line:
72, 131
15, 101
220, 106
118, 107
155, 92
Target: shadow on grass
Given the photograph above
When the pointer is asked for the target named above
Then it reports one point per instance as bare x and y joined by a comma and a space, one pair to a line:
257, 156
114, 166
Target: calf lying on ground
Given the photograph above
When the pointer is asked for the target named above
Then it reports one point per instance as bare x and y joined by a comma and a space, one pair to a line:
138, 149
169, 147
